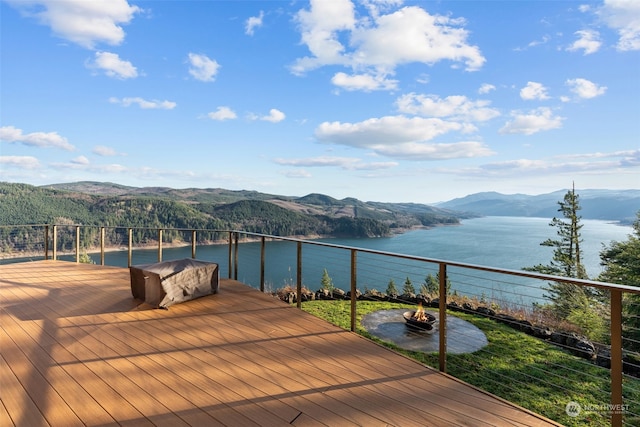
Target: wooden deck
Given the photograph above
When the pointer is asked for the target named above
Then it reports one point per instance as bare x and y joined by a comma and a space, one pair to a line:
76, 349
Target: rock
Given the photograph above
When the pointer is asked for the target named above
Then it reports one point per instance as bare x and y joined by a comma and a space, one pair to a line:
525, 326
542, 332
423, 299
454, 306
408, 298
559, 338
631, 364
338, 293
374, 295
323, 294
580, 346
468, 307
358, 294
485, 311
603, 358
290, 297
584, 348
506, 319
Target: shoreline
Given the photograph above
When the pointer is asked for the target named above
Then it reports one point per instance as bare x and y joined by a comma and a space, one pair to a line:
154, 244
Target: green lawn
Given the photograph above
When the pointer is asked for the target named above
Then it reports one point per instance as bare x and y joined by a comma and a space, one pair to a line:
517, 367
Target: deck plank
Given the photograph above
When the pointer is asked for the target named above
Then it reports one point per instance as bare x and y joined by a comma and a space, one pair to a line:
76, 348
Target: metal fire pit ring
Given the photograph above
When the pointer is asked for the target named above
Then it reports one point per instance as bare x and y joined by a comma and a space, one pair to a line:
412, 322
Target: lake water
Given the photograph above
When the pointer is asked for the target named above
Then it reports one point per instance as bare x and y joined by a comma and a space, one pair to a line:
503, 242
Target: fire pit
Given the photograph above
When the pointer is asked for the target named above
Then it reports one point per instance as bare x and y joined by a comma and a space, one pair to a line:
419, 319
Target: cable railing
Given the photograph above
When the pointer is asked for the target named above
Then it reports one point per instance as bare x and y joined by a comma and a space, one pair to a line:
595, 356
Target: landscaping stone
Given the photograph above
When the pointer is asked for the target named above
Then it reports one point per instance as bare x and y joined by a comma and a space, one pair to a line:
559, 338
338, 293
486, 311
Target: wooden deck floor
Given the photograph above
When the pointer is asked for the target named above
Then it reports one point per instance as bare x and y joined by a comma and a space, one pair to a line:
76, 349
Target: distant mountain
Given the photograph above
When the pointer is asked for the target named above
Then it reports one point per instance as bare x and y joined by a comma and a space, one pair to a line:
614, 205
108, 204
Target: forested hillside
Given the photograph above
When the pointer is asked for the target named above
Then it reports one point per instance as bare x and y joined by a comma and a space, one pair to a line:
105, 204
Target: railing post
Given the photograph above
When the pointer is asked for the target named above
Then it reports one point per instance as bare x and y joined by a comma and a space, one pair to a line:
616, 358
77, 244
262, 259
130, 232
55, 242
230, 253
235, 257
101, 245
299, 276
354, 255
159, 244
193, 244
46, 242
442, 318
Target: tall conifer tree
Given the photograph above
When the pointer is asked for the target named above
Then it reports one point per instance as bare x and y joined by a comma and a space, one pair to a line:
567, 259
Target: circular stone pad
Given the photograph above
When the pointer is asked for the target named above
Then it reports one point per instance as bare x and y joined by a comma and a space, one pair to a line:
389, 325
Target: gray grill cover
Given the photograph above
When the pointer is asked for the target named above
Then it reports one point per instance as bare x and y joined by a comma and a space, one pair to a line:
170, 282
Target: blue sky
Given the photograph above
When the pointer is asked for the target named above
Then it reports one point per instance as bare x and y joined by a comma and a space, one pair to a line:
382, 100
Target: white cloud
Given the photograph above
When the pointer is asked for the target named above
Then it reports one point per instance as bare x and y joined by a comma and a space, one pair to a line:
80, 164
203, 68
103, 151
297, 173
347, 163
456, 107
253, 22
486, 88
378, 43
413, 35
613, 163
364, 82
274, 116
83, 22
401, 137
431, 151
535, 121
23, 162
534, 90
222, 113
588, 41
144, 104
318, 27
624, 17
585, 89
628, 155
113, 66
384, 130
35, 139
80, 160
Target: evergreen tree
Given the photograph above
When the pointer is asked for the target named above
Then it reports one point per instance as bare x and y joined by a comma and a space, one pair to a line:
392, 291
408, 288
326, 281
431, 284
567, 260
621, 261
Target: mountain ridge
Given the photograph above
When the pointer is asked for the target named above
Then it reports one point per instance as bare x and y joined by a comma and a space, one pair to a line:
99, 204
613, 205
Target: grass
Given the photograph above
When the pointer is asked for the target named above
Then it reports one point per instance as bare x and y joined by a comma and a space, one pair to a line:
522, 369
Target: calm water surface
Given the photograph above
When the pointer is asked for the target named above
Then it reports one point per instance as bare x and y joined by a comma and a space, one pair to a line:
504, 242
